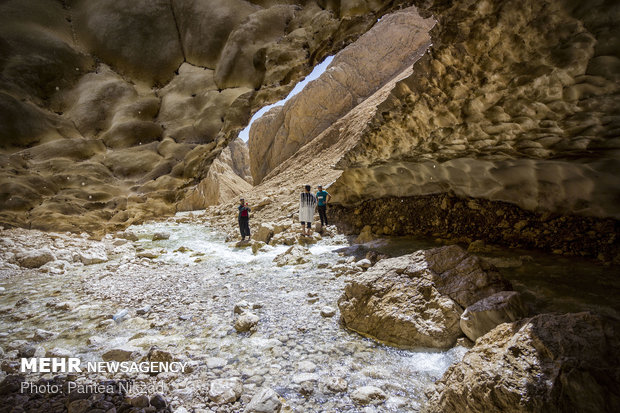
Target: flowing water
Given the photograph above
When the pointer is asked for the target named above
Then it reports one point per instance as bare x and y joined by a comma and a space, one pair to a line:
191, 287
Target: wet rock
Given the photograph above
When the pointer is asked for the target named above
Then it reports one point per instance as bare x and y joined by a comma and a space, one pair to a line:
160, 236
35, 258
256, 246
303, 377
147, 254
417, 299
328, 311
364, 263
42, 335
265, 401
242, 306
60, 353
222, 391
158, 401
337, 384
92, 256
365, 235
246, 321
121, 354
368, 395
143, 310
306, 388
540, 364
295, 255
140, 401
79, 406
306, 366
484, 315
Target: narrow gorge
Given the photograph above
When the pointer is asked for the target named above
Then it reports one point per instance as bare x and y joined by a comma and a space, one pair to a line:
471, 149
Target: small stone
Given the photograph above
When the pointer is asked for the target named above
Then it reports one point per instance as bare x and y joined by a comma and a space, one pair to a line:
60, 353
241, 307
158, 401
119, 354
79, 406
222, 391
328, 311
306, 366
246, 321
215, 363
265, 401
368, 395
364, 263
143, 310
140, 401
42, 335
306, 388
337, 384
161, 236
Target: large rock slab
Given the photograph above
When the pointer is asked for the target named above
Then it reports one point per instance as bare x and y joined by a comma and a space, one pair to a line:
416, 300
35, 258
549, 363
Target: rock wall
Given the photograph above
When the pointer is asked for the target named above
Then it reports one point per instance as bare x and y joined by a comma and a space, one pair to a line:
227, 178
110, 113
515, 102
357, 72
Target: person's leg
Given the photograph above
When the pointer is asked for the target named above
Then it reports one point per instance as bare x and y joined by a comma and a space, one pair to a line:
309, 228
303, 227
241, 229
322, 214
247, 228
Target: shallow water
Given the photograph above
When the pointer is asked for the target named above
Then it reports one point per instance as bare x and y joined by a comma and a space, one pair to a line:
192, 291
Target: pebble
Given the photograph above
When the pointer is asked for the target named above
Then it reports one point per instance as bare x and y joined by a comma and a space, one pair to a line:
328, 311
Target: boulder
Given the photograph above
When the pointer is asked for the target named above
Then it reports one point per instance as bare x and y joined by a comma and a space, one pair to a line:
295, 255
265, 401
222, 391
365, 235
549, 363
35, 258
484, 315
264, 232
416, 300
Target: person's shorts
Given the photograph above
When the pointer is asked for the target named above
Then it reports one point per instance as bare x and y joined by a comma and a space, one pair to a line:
309, 224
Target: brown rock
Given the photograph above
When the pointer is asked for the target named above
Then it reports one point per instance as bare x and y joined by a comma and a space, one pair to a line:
548, 363
413, 300
484, 315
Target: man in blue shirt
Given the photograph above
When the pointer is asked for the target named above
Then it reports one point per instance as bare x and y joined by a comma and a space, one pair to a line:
323, 198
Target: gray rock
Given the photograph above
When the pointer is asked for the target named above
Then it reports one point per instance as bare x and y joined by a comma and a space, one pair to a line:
265, 401
35, 258
222, 391
484, 315
246, 321
368, 395
42, 335
160, 236
306, 366
328, 311
337, 384
92, 256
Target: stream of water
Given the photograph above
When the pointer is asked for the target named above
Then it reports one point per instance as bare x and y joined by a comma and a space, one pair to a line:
191, 287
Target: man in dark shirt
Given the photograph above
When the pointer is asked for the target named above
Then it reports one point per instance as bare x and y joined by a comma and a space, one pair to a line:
323, 198
244, 219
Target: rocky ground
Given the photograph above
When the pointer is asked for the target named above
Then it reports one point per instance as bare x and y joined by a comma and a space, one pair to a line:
257, 324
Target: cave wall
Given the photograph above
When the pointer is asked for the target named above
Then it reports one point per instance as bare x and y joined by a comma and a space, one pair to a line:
112, 111
515, 102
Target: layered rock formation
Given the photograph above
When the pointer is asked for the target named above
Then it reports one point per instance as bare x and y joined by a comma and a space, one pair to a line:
548, 363
227, 178
112, 113
357, 72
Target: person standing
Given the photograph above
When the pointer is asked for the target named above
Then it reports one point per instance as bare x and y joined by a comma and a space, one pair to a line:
244, 219
307, 202
323, 198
